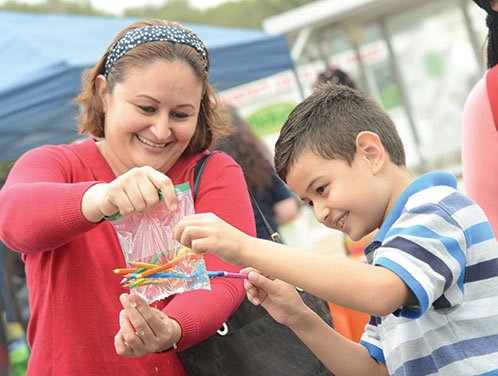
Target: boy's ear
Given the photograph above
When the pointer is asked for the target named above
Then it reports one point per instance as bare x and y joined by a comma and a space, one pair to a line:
369, 147
102, 90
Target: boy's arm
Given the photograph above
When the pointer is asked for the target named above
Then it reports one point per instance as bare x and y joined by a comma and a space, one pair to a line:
340, 355
362, 287
349, 283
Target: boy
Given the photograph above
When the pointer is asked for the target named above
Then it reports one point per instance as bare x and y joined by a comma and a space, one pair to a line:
431, 282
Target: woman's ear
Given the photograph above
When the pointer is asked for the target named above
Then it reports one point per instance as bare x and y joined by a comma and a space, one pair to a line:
102, 90
369, 147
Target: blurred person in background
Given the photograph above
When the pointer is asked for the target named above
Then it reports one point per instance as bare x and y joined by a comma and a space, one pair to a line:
335, 76
480, 127
275, 199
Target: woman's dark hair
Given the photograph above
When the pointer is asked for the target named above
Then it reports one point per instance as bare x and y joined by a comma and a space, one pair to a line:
492, 39
249, 151
335, 76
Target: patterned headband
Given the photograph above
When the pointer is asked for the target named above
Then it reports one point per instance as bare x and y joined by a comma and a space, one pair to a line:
145, 34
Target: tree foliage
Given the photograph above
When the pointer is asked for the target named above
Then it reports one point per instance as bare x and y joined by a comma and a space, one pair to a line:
82, 7
234, 13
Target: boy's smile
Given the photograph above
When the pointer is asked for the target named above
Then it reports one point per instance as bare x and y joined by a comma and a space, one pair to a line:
352, 199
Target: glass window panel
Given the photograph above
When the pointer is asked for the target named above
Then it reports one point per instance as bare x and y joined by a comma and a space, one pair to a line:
439, 68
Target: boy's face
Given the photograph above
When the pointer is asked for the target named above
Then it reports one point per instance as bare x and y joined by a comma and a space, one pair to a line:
352, 199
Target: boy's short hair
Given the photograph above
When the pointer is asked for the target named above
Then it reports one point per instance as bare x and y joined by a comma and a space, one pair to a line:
327, 123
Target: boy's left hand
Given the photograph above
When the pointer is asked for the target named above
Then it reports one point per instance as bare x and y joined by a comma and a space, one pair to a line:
207, 233
280, 299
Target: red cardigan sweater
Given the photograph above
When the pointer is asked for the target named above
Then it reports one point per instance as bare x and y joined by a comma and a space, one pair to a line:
74, 297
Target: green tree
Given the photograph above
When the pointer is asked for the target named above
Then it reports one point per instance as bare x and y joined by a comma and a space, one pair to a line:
82, 7
235, 13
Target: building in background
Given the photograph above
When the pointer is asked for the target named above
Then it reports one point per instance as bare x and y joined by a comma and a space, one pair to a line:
418, 59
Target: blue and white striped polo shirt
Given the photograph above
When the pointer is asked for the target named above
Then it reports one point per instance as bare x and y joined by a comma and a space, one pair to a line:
439, 242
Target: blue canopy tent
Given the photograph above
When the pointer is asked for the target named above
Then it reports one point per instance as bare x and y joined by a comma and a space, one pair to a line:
42, 57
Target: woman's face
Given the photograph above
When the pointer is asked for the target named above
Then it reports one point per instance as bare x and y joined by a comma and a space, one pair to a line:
151, 116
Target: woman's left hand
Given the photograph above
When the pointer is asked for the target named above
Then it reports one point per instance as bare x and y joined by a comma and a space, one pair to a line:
144, 329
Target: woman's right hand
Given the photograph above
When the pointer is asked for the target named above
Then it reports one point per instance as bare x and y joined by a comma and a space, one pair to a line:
280, 299
136, 191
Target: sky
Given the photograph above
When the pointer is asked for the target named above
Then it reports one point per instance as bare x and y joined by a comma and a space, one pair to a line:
118, 6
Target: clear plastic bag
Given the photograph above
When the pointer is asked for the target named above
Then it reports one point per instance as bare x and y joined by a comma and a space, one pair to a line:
147, 238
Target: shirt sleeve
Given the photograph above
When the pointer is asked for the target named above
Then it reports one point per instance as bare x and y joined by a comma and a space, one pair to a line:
37, 189
371, 340
200, 313
426, 248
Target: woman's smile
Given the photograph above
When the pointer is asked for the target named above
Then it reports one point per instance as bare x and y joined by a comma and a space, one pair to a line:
150, 143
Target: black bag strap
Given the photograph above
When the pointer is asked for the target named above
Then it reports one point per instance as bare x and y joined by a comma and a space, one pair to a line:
274, 235
199, 168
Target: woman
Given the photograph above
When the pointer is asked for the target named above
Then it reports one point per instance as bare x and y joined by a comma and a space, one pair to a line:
152, 115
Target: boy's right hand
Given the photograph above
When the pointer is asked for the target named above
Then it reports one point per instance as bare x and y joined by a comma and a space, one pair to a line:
206, 232
280, 299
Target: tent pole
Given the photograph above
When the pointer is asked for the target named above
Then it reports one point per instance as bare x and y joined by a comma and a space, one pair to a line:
478, 52
423, 167
298, 84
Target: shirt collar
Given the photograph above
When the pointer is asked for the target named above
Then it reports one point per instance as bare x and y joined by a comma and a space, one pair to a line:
429, 180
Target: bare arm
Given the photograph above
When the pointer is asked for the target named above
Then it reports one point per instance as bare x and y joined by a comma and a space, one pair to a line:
377, 290
283, 303
339, 354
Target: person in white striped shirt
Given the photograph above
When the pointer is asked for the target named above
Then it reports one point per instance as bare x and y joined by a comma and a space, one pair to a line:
431, 280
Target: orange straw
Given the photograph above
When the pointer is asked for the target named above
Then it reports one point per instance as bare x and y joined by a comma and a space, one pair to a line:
143, 265
168, 265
